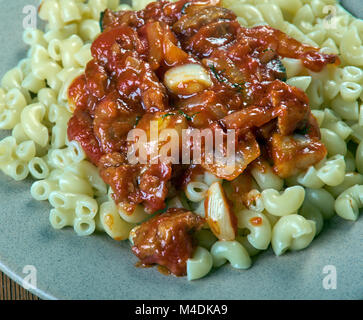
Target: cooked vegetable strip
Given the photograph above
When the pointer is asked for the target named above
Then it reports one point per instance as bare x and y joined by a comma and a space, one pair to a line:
286, 46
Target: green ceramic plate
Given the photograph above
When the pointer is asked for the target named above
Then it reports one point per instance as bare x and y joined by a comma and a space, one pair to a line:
70, 267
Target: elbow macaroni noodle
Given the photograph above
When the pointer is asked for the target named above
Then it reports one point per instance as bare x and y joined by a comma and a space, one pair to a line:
200, 264
311, 213
259, 227
292, 232
112, 223
231, 251
347, 205
33, 105
283, 204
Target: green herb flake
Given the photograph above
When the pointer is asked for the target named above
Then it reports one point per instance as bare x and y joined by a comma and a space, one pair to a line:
182, 113
188, 117
137, 120
195, 114
239, 86
101, 20
167, 115
216, 74
184, 7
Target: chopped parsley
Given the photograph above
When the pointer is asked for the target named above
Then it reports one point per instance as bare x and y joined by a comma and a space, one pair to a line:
167, 115
186, 116
239, 86
190, 118
184, 7
216, 74
137, 120
101, 20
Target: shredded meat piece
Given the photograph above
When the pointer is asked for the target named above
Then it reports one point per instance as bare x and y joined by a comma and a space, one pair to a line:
139, 184
289, 47
291, 154
80, 128
167, 239
195, 19
112, 19
212, 36
112, 123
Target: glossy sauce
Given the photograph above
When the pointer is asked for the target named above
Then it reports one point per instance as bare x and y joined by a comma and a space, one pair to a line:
256, 221
123, 88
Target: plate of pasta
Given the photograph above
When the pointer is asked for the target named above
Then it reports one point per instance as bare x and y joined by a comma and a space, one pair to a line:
217, 141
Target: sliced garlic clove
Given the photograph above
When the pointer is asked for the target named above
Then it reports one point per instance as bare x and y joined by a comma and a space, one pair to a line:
219, 216
187, 79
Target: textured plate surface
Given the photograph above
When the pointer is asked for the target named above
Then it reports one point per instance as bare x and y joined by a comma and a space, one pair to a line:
69, 267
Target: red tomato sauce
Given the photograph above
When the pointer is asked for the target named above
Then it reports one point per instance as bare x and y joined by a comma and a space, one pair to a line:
256, 221
123, 88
